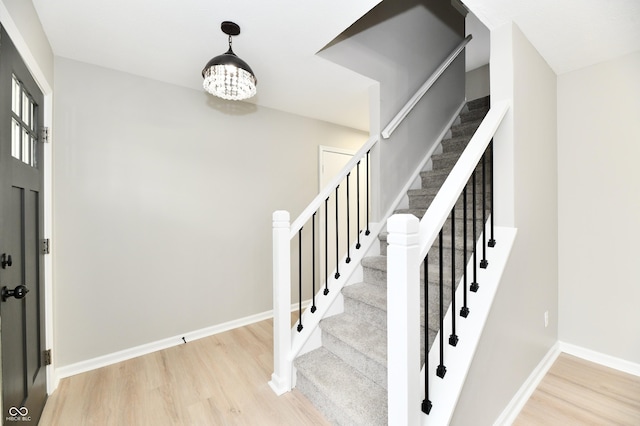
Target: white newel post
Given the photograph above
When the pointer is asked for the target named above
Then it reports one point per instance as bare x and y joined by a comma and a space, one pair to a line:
281, 377
403, 323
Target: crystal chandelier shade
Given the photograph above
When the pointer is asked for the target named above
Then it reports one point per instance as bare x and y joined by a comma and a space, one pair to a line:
227, 76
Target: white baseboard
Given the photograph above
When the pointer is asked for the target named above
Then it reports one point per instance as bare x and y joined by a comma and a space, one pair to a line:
112, 358
521, 397
516, 404
600, 358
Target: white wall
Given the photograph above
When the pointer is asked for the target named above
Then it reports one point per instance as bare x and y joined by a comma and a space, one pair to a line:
599, 207
515, 339
163, 204
400, 44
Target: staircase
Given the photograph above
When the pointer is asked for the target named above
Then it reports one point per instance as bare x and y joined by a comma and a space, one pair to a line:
346, 378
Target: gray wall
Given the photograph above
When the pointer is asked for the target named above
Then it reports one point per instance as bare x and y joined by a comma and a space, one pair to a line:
477, 83
400, 44
515, 339
599, 207
163, 204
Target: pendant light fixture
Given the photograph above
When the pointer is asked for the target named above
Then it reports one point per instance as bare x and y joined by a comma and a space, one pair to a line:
228, 76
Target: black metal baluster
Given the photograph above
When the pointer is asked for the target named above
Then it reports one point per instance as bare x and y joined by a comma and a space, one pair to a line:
358, 202
337, 275
492, 241
300, 280
348, 236
426, 403
464, 311
484, 263
326, 246
474, 285
441, 370
367, 232
453, 338
313, 262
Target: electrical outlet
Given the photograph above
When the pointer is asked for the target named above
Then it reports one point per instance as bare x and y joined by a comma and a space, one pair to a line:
546, 319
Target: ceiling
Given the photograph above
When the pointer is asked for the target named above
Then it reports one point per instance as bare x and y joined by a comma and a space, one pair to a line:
569, 34
171, 40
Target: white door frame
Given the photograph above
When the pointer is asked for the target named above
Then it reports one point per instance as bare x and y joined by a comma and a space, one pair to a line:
321, 150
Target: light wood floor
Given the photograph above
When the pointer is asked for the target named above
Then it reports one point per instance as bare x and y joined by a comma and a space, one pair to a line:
222, 380
219, 380
579, 392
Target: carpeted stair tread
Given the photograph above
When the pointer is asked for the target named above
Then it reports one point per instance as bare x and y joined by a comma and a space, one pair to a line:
340, 392
375, 262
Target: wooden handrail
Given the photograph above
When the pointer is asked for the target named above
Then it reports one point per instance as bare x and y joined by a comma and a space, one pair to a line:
406, 109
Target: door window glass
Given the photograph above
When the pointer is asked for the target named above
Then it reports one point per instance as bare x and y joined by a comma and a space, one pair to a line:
24, 137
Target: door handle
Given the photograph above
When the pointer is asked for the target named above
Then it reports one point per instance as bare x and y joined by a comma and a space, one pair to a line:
5, 260
19, 292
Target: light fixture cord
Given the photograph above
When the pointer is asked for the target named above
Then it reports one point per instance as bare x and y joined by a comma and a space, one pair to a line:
230, 42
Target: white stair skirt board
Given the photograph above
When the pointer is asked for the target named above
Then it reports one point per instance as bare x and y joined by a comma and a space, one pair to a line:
126, 354
444, 393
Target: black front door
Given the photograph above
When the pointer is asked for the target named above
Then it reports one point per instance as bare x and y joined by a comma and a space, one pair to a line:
21, 229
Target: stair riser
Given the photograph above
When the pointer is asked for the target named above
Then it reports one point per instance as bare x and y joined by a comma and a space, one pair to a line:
465, 129
454, 145
379, 277
480, 103
473, 115
434, 179
331, 411
423, 201
374, 316
358, 360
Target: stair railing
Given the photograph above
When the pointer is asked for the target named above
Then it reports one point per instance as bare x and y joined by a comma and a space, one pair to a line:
320, 242
406, 109
410, 242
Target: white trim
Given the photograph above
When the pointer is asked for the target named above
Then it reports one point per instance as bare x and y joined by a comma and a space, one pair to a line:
321, 150
600, 358
511, 411
126, 354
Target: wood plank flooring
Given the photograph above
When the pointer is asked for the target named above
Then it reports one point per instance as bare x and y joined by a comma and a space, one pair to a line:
579, 392
222, 380
219, 380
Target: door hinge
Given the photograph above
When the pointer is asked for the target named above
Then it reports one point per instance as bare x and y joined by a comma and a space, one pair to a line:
47, 357
44, 135
45, 246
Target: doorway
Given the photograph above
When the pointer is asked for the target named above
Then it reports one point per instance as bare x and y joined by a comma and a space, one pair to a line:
346, 222
22, 298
